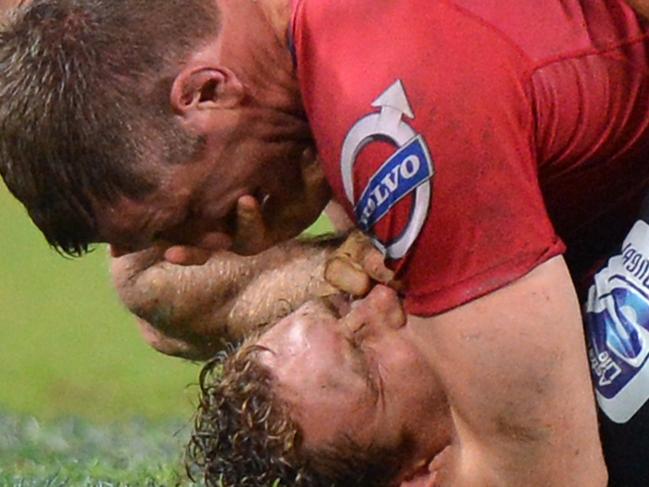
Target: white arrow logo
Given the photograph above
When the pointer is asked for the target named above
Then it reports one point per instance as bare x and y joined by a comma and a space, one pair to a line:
387, 125
394, 105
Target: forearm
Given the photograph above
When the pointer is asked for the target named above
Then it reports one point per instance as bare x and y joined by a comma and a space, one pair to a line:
294, 276
194, 311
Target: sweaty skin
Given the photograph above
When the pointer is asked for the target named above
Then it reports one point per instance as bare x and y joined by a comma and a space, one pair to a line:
491, 432
179, 298
508, 361
232, 296
7, 4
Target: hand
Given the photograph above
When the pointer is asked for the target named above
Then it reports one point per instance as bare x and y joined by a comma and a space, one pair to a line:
198, 254
185, 255
193, 311
261, 225
355, 264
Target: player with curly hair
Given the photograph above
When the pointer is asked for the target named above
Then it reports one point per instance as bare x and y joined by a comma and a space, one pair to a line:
488, 148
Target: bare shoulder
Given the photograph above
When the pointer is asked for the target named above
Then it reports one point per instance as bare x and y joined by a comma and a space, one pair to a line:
514, 367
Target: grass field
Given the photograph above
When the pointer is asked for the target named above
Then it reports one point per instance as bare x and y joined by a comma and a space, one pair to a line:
75, 452
83, 401
66, 345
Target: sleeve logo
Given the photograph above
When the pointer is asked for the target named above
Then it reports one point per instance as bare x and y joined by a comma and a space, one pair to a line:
408, 172
617, 327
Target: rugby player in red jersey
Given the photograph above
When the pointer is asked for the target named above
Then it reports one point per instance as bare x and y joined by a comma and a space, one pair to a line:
485, 148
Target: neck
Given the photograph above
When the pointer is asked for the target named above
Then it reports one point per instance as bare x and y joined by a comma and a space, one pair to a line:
440, 456
254, 41
278, 15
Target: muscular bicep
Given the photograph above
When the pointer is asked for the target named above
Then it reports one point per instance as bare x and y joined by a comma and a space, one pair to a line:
514, 366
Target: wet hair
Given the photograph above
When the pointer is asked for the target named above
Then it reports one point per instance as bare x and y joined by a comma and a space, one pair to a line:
85, 116
244, 436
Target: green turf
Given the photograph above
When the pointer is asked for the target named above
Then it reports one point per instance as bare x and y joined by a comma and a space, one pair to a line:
66, 345
74, 374
69, 351
74, 452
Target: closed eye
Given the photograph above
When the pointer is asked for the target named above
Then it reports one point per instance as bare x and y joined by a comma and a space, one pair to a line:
362, 367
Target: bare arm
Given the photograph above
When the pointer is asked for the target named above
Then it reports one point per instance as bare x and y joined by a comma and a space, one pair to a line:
195, 311
514, 367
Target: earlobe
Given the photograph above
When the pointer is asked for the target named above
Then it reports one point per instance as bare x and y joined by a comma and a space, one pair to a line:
205, 88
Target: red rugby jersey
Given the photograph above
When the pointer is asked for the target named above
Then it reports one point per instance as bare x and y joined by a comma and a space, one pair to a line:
477, 139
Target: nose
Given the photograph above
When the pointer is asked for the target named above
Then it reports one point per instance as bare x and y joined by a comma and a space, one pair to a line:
381, 307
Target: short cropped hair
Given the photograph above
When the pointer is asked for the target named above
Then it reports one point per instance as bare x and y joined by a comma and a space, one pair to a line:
84, 104
244, 436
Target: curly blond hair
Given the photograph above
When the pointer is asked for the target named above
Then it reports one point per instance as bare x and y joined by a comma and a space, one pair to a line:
244, 436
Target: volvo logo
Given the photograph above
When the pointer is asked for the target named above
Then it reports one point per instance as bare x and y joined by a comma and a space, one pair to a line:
408, 170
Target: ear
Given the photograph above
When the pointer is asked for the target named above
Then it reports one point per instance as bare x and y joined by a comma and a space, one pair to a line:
424, 476
205, 88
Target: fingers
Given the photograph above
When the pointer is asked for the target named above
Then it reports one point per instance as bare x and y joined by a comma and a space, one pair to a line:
285, 214
374, 264
355, 264
381, 307
354, 247
343, 269
346, 275
251, 233
186, 256
361, 250
316, 187
388, 306
200, 251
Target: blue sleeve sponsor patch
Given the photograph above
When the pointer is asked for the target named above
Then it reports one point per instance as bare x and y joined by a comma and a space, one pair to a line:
399, 176
617, 328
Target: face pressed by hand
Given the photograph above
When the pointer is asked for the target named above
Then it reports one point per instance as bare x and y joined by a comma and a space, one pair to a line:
255, 180
357, 373
201, 208
179, 212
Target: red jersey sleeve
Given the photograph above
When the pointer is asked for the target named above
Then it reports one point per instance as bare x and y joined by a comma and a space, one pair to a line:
438, 100
487, 223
